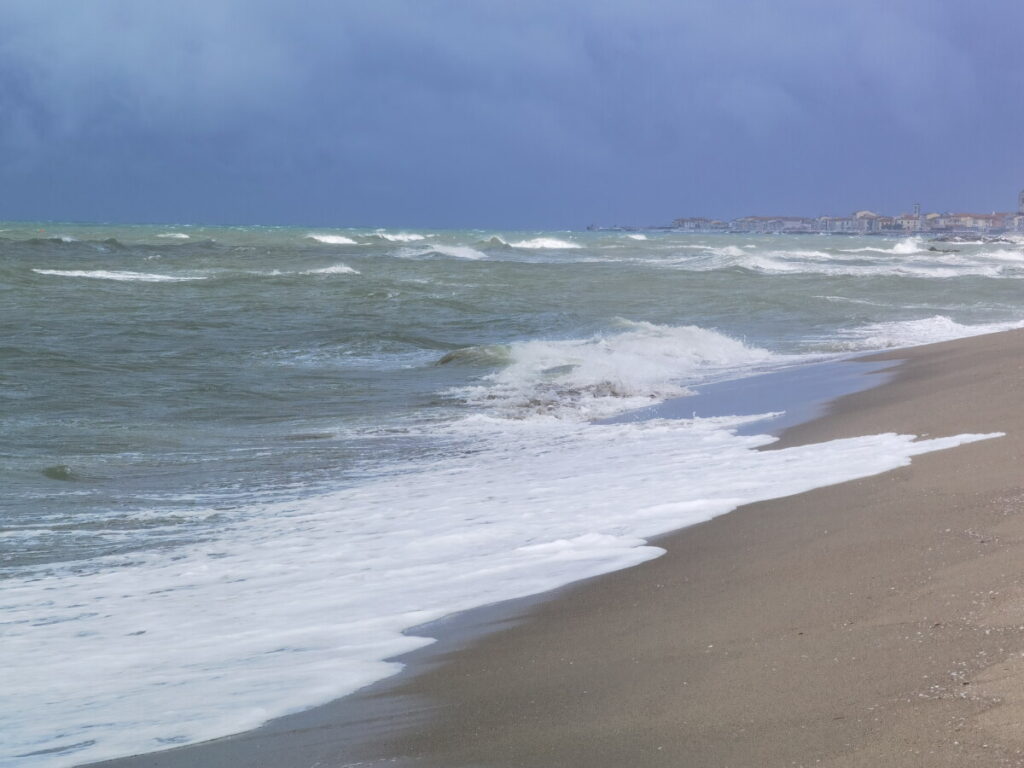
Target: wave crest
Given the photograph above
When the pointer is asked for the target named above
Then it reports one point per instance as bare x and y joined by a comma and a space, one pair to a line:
607, 373
122, 276
453, 251
332, 239
336, 269
545, 243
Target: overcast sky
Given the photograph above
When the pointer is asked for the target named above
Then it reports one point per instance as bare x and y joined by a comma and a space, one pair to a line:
521, 113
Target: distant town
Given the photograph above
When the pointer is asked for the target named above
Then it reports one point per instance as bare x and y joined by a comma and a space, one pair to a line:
942, 225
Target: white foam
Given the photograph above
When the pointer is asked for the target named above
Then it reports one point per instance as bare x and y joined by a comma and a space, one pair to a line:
336, 269
103, 274
333, 239
610, 373
637, 237
400, 237
454, 251
907, 246
301, 602
545, 242
728, 250
907, 333
174, 235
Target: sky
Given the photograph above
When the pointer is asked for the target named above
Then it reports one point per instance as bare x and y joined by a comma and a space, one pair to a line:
532, 114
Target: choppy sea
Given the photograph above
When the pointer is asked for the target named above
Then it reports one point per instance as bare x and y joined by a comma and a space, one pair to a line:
236, 463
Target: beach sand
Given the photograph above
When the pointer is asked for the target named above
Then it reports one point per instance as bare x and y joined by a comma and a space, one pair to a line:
875, 623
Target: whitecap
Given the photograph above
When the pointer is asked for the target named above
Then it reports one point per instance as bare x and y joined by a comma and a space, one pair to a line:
545, 242
103, 274
609, 373
454, 251
336, 269
908, 333
174, 235
333, 239
400, 237
637, 237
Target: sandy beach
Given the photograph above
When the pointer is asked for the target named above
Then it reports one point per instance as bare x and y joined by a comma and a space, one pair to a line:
877, 622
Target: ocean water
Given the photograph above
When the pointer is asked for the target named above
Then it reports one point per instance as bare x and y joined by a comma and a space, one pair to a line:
238, 462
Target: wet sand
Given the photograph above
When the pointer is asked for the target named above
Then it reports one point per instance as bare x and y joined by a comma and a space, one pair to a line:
877, 622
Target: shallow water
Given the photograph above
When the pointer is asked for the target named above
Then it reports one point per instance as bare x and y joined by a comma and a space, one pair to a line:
238, 462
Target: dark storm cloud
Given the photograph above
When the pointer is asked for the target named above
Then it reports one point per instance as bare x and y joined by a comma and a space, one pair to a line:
515, 114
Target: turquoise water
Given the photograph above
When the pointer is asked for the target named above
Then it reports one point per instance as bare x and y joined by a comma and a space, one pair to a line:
166, 389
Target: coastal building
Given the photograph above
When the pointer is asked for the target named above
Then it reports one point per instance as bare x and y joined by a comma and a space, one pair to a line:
866, 222
840, 224
772, 224
910, 222
980, 221
699, 224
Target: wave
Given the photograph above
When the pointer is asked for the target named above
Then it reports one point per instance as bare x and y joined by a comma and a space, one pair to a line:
728, 250
454, 251
637, 237
494, 241
604, 374
545, 242
929, 265
337, 269
332, 239
904, 247
123, 276
206, 640
174, 235
486, 354
400, 237
910, 333
49, 240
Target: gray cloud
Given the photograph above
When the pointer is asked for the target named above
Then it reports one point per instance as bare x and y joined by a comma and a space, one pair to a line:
496, 113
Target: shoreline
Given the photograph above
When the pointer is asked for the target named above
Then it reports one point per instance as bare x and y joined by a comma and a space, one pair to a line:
402, 715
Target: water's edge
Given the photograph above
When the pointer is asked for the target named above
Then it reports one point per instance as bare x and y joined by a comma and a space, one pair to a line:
352, 726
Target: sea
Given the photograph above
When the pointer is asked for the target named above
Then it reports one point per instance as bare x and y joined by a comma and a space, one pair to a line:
238, 464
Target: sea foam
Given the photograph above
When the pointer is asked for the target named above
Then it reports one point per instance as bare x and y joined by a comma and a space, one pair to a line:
302, 602
400, 237
336, 269
907, 333
122, 276
609, 373
545, 242
333, 239
452, 251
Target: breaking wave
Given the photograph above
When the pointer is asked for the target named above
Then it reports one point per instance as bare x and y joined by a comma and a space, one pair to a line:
400, 237
544, 242
904, 247
103, 274
908, 333
333, 239
453, 251
337, 269
604, 374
